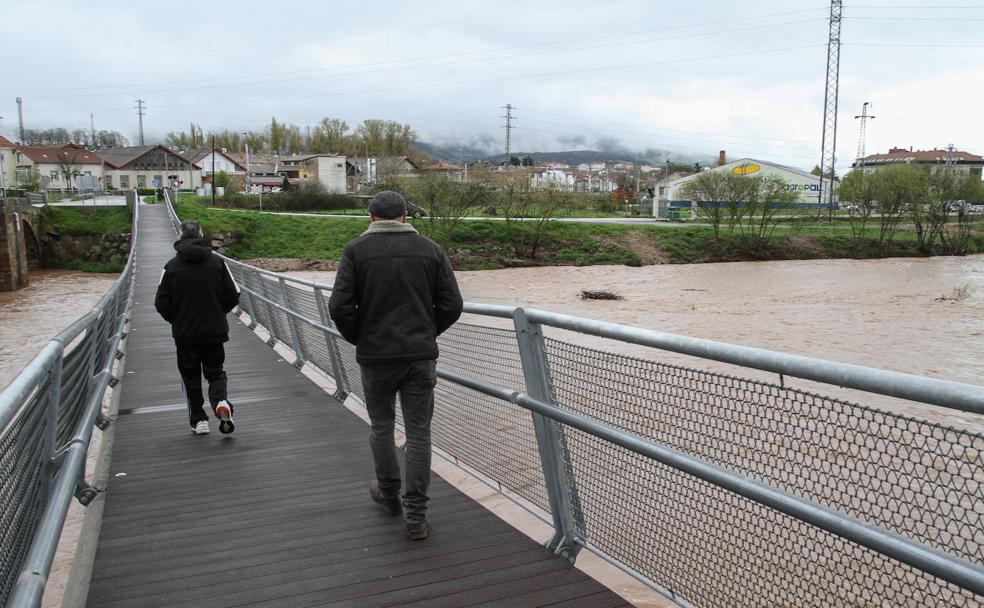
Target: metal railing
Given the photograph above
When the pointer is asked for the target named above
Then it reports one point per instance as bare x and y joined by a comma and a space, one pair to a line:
717, 490
47, 414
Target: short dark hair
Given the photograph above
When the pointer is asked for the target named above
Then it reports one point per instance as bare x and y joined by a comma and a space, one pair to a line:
388, 205
190, 229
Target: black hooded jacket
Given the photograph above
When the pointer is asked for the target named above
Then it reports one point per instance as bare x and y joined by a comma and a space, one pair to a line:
195, 293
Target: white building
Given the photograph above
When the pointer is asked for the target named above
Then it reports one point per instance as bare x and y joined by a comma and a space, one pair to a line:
149, 167
327, 169
804, 183
557, 179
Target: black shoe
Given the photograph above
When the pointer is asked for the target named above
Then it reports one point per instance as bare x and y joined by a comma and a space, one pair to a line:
418, 531
393, 505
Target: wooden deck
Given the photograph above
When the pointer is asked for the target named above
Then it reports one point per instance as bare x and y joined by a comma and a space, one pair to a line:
278, 513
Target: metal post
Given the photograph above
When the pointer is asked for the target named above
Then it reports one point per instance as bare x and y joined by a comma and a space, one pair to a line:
271, 323
295, 337
51, 426
554, 455
337, 369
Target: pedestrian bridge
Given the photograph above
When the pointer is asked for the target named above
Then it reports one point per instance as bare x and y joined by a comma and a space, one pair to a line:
713, 489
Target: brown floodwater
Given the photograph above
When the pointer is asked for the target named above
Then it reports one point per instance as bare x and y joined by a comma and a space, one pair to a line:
922, 316
31, 316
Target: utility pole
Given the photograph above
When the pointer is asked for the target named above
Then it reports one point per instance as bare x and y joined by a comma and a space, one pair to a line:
864, 116
509, 127
829, 142
92, 125
213, 170
20, 118
140, 113
3, 178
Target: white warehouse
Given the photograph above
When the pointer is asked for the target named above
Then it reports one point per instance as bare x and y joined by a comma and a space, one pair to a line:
806, 184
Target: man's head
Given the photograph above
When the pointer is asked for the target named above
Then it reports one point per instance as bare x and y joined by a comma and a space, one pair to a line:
388, 205
190, 229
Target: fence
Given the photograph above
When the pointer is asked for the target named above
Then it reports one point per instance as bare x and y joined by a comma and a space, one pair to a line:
47, 413
718, 490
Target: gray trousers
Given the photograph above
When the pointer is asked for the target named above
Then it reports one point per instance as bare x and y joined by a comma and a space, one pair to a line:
414, 381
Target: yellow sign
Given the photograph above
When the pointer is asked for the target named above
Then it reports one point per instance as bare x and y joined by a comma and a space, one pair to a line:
745, 169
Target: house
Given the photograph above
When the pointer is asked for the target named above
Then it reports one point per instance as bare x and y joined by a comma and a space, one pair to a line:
963, 162
384, 167
8, 175
58, 167
327, 169
595, 165
149, 167
558, 179
803, 182
219, 159
265, 171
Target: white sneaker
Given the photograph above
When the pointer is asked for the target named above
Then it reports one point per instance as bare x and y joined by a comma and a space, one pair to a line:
223, 410
201, 428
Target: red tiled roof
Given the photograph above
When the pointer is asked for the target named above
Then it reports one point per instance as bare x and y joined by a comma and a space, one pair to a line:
72, 154
922, 156
6, 143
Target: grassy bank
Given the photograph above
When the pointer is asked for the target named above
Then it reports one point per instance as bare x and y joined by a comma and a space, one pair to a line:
87, 220
497, 244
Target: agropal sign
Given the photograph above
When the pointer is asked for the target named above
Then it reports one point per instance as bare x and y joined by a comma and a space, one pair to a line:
752, 169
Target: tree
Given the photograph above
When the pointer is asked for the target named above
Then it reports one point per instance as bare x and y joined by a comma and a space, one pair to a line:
772, 201
385, 137
285, 185
707, 190
857, 188
898, 190
68, 166
222, 179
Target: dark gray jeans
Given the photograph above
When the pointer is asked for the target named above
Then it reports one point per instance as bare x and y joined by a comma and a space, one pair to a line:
414, 381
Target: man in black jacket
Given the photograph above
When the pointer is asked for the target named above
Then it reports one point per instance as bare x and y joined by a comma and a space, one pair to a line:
195, 294
394, 293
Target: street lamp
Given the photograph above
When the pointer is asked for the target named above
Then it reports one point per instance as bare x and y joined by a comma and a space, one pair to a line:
3, 177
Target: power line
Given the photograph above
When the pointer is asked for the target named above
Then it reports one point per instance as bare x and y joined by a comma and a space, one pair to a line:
362, 72
239, 102
229, 49
685, 131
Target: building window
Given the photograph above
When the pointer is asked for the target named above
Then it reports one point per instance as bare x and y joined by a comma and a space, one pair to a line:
54, 175
141, 181
20, 157
124, 181
108, 181
158, 181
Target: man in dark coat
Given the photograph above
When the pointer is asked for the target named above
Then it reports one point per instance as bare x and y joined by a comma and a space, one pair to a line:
195, 294
394, 293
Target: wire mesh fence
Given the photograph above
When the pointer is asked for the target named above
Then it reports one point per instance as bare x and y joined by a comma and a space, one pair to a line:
704, 545
918, 479
46, 417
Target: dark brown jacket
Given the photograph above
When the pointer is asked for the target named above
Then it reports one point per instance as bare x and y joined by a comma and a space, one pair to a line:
394, 293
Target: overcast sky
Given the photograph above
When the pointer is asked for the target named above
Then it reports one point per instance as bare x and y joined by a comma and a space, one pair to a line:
692, 77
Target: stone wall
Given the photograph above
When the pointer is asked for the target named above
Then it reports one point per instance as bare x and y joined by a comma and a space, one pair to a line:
103, 248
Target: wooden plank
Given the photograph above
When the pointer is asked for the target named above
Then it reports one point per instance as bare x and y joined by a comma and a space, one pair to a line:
278, 513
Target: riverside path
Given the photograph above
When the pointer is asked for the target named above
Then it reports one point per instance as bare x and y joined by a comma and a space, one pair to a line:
278, 513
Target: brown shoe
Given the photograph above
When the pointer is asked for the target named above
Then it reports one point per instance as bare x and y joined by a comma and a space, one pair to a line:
418, 531
393, 505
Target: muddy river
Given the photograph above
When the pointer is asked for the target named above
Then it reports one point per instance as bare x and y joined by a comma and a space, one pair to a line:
33, 315
922, 316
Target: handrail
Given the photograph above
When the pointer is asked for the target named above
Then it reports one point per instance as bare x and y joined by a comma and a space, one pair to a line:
560, 407
937, 563
94, 342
